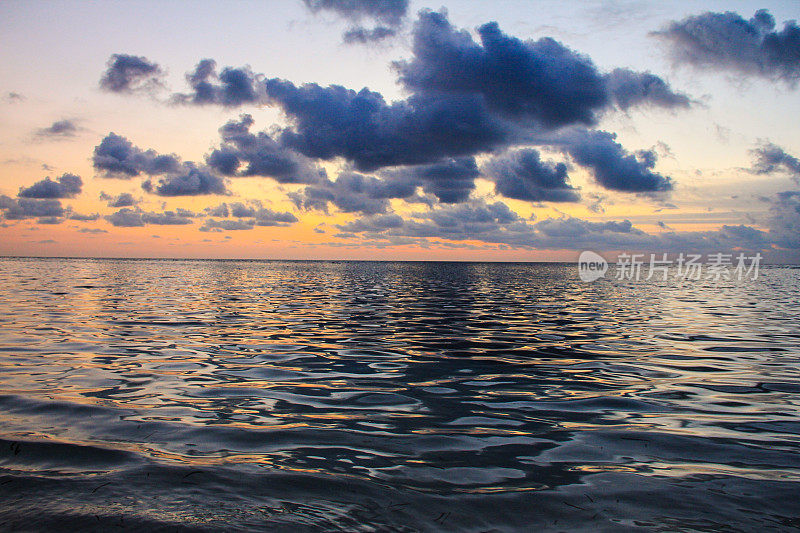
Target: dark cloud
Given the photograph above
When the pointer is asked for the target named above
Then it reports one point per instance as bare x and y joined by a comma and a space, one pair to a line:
167, 218
232, 87
522, 175
125, 199
58, 130
360, 126
769, 158
541, 81
117, 157
126, 218
268, 217
728, 41
245, 216
629, 88
6, 201
227, 225
472, 214
373, 224
451, 180
190, 181
570, 227
65, 186
127, 73
221, 210
784, 220
246, 154
130, 218
24, 208
259, 215
612, 166
468, 220
390, 12
387, 15
465, 99
351, 193
361, 35
497, 224
84, 218
13, 98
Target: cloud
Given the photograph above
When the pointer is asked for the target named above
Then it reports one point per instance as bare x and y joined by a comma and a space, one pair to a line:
125, 199
360, 126
465, 98
387, 15
59, 129
769, 158
784, 219
13, 98
541, 81
65, 186
451, 180
117, 157
268, 217
253, 209
127, 74
245, 216
497, 224
522, 175
130, 218
360, 35
84, 218
350, 193
232, 87
390, 12
726, 41
372, 223
227, 225
125, 218
47, 210
246, 154
190, 181
221, 210
612, 166
629, 88
462, 221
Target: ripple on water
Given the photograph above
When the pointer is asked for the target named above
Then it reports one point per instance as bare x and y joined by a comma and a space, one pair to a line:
394, 397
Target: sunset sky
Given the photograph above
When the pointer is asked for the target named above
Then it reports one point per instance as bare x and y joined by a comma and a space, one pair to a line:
465, 130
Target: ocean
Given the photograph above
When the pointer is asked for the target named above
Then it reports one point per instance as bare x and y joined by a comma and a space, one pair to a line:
182, 395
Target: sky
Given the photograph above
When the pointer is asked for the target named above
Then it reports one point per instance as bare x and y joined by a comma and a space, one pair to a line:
399, 130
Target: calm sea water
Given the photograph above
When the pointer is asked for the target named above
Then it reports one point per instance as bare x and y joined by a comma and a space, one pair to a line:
306, 396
